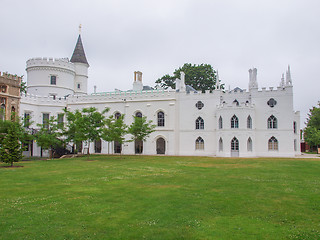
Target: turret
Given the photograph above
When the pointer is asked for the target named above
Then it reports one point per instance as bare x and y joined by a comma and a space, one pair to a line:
253, 78
81, 66
137, 83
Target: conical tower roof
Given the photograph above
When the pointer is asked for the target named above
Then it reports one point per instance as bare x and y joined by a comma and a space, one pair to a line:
78, 55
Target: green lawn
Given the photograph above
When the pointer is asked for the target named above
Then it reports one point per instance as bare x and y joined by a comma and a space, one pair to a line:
150, 197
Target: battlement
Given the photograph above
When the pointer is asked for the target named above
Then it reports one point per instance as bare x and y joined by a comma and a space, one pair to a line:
50, 62
10, 76
124, 96
36, 99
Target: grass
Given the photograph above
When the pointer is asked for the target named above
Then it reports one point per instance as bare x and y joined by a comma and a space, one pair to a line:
152, 197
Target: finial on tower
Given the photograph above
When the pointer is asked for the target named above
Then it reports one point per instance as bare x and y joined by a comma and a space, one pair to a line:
80, 29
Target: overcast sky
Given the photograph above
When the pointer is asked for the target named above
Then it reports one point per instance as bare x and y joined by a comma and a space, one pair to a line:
156, 37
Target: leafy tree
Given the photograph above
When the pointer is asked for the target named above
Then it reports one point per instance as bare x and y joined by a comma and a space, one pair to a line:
312, 131
85, 125
49, 136
23, 86
12, 137
115, 130
201, 77
140, 129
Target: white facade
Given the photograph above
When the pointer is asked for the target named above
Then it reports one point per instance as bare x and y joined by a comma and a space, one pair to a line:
240, 123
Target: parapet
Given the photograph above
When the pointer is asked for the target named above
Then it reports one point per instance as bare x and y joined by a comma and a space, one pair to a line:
11, 79
51, 62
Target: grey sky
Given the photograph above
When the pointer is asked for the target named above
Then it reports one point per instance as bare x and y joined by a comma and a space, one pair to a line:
156, 37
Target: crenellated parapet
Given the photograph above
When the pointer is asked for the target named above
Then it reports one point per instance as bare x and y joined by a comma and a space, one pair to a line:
62, 63
43, 100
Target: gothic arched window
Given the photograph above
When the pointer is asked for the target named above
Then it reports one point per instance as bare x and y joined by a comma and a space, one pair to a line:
220, 123
199, 123
160, 119
117, 115
220, 145
273, 144
249, 145
249, 122
272, 122
234, 122
138, 114
199, 143
235, 144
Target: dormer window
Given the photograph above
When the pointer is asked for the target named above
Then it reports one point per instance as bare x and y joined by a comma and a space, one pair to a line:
53, 80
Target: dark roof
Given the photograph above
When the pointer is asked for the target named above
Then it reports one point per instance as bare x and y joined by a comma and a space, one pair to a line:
78, 55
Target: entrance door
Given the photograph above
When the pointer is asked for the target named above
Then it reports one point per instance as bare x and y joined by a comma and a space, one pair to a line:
117, 147
97, 146
234, 147
138, 147
161, 146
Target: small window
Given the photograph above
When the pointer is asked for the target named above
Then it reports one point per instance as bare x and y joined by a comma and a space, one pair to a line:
220, 123
60, 119
199, 105
249, 145
272, 102
234, 122
220, 145
199, 123
273, 144
45, 120
236, 102
294, 127
78, 85
295, 145
117, 115
235, 144
249, 122
3, 88
272, 122
26, 119
53, 80
160, 119
53, 96
199, 144
139, 114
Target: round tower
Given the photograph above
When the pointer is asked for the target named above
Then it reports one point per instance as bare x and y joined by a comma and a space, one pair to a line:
81, 66
50, 77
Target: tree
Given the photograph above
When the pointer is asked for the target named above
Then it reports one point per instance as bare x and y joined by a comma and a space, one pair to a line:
49, 136
115, 130
312, 131
12, 137
85, 125
140, 129
201, 77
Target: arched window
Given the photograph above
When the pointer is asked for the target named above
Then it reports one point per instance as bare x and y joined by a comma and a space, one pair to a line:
138, 114
294, 127
249, 122
220, 123
199, 123
160, 119
272, 122
234, 122
234, 144
273, 144
199, 144
117, 115
220, 145
249, 145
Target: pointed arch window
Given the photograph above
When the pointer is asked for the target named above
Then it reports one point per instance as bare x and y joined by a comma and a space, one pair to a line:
249, 145
220, 145
272, 122
160, 116
249, 122
199, 123
117, 115
220, 123
234, 122
199, 143
272, 144
235, 144
138, 114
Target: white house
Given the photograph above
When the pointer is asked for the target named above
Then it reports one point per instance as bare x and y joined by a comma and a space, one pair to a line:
245, 123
